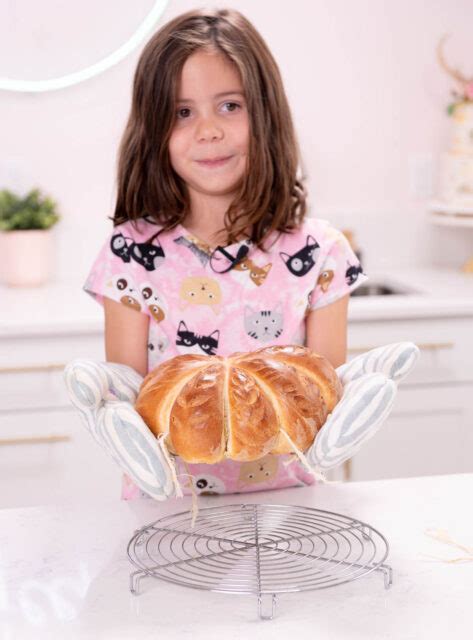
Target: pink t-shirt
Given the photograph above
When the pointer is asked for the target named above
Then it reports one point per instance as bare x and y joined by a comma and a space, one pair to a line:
236, 299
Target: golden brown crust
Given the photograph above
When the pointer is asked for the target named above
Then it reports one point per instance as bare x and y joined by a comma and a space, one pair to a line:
300, 408
315, 366
237, 407
196, 419
253, 428
160, 388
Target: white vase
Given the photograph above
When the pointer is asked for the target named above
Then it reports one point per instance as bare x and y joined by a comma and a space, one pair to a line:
26, 257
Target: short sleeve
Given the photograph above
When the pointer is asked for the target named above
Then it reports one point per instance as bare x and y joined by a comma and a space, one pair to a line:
114, 274
340, 272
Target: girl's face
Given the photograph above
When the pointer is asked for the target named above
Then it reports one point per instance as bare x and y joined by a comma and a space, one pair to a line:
211, 121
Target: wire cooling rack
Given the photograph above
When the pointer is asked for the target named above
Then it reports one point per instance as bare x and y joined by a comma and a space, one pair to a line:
259, 549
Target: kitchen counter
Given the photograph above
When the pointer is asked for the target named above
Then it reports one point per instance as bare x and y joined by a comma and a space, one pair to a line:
64, 308
65, 571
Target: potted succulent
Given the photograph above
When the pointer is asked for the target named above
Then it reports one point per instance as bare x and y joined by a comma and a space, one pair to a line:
25, 237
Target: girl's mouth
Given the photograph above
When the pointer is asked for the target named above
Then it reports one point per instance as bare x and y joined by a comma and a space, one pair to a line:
214, 163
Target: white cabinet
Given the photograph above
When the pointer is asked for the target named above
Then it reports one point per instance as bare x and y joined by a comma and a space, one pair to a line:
46, 454
430, 429
48, 457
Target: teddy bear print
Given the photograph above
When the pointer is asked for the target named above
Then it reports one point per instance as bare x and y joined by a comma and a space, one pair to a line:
200, 290
125, 291
258, 471
155, 303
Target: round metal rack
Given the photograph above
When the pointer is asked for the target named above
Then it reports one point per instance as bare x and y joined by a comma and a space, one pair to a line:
259, 549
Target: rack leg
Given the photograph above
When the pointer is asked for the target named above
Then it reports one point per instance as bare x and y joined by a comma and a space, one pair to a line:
135, 579
388, 575
260, 605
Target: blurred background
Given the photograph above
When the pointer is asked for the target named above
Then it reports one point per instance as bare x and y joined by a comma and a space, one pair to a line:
370, 103
367, 94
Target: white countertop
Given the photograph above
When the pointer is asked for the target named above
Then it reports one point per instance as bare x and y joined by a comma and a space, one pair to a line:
64, 571
63, 307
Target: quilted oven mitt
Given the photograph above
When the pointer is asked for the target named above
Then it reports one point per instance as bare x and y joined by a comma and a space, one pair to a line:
105, 393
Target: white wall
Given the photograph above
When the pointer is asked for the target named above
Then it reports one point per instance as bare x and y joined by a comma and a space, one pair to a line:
367, 94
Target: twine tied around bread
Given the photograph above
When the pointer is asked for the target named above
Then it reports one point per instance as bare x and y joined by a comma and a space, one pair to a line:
318, 475
443, 536
195, 506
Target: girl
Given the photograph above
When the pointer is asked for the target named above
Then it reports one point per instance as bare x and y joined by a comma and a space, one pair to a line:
211, 250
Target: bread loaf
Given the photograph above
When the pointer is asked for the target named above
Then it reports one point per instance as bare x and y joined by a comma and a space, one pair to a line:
242, 406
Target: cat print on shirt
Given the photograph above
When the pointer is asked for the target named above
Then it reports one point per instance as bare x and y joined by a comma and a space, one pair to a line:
249, 274
197, 249
155, 303
301, 262
196, 343
327, 274
352, 273
119, 247
149, 255
157, 345
222, 261
125, 291
264, 325
208, 485
257, 471
200, 290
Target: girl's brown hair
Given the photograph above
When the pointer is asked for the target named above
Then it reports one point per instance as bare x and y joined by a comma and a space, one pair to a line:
270, 197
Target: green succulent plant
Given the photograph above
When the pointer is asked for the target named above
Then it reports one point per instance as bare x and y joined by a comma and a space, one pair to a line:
34, 211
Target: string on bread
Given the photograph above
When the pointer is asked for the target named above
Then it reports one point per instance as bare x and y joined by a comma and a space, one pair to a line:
241, 407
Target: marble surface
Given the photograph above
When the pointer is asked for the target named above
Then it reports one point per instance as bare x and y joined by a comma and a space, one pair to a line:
64, 571
62, 307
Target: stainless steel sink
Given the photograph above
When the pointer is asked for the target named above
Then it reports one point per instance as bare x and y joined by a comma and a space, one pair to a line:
382, 289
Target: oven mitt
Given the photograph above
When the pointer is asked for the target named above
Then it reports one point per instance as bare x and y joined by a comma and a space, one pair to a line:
369, 388
104, 393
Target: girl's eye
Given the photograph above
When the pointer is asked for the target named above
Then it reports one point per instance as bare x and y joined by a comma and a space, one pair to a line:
180, 117
234, 104
180, 111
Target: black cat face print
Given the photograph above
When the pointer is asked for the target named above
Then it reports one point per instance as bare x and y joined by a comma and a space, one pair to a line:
187, 338
352, 273
301, 262
119, 247
149, 255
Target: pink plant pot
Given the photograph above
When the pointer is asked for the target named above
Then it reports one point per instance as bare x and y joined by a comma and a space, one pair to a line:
27, 257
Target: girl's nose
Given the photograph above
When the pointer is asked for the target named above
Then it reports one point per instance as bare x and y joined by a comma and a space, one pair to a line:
208, 130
